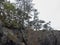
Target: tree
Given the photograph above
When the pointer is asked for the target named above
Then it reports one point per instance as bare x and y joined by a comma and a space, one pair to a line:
47, 26
13, 17
36, 23
25, 6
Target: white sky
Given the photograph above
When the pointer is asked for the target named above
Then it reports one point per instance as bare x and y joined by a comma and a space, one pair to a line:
49, 11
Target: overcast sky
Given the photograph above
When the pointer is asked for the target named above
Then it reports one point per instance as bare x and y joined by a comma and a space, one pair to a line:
49, 11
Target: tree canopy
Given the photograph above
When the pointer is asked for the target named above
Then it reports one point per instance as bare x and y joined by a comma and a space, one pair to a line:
19, 16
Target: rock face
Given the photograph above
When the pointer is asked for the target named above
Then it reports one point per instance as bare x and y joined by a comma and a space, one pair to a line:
44, 38
29, 37
10, 37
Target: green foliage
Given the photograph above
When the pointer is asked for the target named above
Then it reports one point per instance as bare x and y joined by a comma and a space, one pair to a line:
12, 17
9, 6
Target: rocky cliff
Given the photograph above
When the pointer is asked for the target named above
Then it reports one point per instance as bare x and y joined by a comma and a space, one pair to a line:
28, 37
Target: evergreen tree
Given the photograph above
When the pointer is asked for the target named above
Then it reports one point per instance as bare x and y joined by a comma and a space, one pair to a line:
25, 6
47, 26
36, 22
